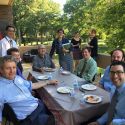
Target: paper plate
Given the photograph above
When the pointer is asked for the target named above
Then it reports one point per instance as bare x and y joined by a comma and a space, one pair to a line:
88, 87
42, 77
49, 69
65, 72
64, 90
93, 99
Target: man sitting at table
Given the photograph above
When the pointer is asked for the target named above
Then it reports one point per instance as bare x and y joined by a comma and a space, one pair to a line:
16, 54
87, 67
42, 60
16, 92
115, 114
105, 82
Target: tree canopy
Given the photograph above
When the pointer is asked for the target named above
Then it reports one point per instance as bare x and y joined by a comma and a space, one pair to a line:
107, 16
33, 17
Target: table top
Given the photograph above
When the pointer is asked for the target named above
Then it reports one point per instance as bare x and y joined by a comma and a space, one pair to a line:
81, 111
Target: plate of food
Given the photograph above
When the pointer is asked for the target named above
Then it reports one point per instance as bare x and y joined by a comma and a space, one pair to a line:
89, 87
93, 99
64, 72
42, 77
64, 90
49, 69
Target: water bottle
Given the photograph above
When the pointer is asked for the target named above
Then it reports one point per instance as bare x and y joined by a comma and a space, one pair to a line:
75, 89
61, 69
72, 93
75, 85
50, 76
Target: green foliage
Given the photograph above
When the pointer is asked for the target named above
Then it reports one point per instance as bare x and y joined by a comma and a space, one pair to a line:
106, 16
42, 18
36, 17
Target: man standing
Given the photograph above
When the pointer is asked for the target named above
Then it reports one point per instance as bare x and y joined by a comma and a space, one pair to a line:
42, 60
116, 112
8, 41
16, 92
105, 82
61, 46
87, 66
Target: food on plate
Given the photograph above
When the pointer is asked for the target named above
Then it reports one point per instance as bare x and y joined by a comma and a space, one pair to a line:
93, 99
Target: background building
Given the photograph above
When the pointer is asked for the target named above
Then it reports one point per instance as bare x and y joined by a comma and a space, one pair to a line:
6, 16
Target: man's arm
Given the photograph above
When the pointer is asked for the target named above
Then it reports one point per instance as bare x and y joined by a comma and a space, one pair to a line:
52, 49
2, 49
118, 122
100, 85
92, 70
35, 67
52, 63
0, 123
44, 83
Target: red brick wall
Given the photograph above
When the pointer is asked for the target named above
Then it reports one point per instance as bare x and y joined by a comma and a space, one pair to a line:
6, 16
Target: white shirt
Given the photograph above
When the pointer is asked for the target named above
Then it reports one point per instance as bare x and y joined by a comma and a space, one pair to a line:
5, 44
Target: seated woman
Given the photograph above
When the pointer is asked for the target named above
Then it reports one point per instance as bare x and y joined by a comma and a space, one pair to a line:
42, 60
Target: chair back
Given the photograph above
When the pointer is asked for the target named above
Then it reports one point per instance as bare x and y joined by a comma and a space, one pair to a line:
9, 114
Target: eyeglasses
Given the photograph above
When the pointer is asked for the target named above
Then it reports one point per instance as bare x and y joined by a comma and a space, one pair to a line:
116, 72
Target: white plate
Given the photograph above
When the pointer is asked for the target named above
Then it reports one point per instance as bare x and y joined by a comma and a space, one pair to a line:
88, 87
42, 77
65, 72
93, 99
64, 90
49, 69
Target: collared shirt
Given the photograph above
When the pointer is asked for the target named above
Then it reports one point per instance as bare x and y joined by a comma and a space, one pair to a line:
5, 45
90, 69
17, 94
45, 61
106, 81
119, 116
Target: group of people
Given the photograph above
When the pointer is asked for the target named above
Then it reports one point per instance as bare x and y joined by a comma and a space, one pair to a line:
113, 81
15, 90
85, 65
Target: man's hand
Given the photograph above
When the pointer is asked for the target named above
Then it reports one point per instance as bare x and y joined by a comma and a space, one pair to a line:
93, 123
111, 123
65, 50
53, 82
44, 83
42, 70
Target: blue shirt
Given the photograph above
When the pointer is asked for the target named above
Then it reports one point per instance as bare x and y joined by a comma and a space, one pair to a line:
119, 116
106, 81
39, 62
17, 94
